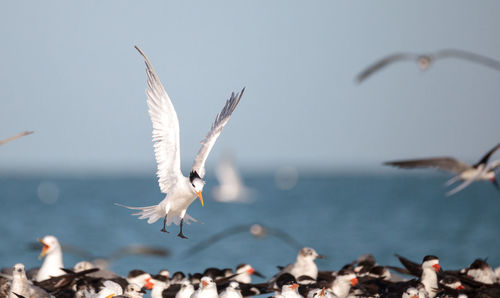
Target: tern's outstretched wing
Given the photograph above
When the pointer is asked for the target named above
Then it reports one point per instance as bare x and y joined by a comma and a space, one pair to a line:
487, 156
383, 63
165, 130
213, 134
443, 163
25, 133
473, 57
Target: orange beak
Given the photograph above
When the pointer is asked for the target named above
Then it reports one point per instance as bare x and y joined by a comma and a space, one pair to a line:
460, 287
44, 249
148, 285
294, 286
322, 292
251, 271
201, 197
354, 281
204, 283
436, 267
109, 296
414, 296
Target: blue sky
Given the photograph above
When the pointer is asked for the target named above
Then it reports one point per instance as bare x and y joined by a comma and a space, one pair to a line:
68, 71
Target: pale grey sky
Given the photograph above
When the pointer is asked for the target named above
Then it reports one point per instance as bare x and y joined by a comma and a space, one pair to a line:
68, 71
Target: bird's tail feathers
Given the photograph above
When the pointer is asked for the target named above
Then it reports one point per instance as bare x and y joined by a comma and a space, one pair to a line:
152, 213
155, 212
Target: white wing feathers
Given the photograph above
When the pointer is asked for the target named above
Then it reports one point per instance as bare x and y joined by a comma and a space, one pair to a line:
165, 130
213, 134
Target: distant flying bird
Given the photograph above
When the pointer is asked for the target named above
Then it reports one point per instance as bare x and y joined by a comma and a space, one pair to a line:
463, 171
231, 188
256, 230
181, 191
25, 133
425, 60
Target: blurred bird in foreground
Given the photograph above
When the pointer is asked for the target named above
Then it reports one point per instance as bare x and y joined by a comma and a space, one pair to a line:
425, 60
463, 171
231, 188
25, 133
181, 191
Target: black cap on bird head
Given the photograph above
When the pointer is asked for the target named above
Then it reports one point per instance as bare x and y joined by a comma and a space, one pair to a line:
193, 175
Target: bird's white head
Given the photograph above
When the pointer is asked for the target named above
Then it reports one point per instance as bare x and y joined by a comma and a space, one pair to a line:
50, 244
18, 271
309, 254
197, 184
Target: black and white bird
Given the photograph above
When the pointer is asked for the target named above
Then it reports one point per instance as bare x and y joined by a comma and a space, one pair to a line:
181, 191
463, 171
244, 273
425, 60
24, 133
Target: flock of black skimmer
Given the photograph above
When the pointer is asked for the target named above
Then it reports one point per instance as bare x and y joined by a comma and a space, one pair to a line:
360, 278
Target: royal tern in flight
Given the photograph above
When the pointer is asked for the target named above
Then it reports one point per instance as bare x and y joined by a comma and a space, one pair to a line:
425, 60
25, 133
463, 171
181, 191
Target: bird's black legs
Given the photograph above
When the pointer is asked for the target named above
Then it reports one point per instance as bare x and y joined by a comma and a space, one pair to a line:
180, 232
164, 223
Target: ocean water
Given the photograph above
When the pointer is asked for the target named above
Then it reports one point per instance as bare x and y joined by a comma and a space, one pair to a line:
341, 217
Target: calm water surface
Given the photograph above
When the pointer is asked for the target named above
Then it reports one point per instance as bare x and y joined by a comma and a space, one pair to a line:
341, 217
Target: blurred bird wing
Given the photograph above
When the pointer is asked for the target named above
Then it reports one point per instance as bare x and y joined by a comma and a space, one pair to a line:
24, 133
378, 65
442, 163
227, 174
220, 120
473, 57
165, 130
487, 156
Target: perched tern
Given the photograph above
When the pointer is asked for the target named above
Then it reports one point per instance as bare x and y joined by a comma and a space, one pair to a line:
304, 265
463, 171
21, 285
425, 60
24, 133
232, 291
207, 289
181, 191
53, 259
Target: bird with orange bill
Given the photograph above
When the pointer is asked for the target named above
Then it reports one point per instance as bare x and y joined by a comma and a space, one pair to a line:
181, 191
53, 259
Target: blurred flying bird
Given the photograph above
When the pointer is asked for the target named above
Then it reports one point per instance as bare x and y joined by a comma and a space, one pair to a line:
231, 188
256, 230
25, 133
463, 171
181, 191
425, 60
